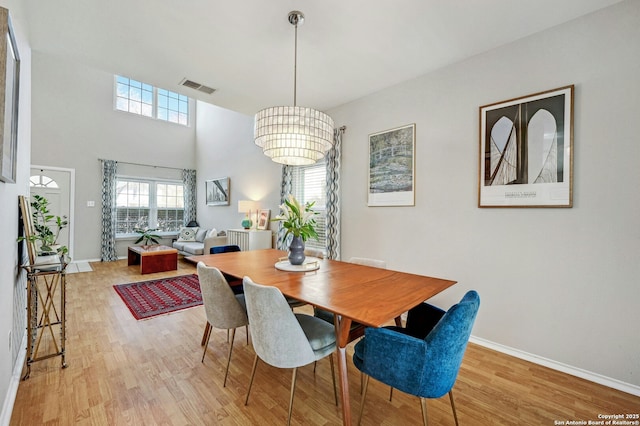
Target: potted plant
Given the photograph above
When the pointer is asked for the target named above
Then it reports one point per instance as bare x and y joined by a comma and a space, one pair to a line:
46, 227
147, 236
300, 222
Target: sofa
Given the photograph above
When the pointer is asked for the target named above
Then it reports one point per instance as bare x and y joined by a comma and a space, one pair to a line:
194, 241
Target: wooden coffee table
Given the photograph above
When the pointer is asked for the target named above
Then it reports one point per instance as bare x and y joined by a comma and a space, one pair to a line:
153, 258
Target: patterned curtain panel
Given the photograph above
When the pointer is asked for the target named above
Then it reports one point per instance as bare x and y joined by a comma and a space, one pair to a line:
285, 189
108, 251
189, 181
333, 195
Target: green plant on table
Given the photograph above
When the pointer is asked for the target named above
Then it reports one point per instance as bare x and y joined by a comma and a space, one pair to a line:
147, 235
46, 227
297, 219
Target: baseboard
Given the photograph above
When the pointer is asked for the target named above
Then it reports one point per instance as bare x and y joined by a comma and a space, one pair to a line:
86, 260
554, 365
12, 391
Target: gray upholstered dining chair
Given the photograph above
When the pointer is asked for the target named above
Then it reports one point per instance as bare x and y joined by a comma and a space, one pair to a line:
285, 339
223, 309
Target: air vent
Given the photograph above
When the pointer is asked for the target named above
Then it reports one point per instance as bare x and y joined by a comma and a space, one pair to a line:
197, 86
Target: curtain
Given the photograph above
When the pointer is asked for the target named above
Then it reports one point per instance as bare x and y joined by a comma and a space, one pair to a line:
333, 195
285, 190
108, 250
189, 181
332, 189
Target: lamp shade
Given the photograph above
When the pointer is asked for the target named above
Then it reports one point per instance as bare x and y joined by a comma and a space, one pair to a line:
245, 206
293, 135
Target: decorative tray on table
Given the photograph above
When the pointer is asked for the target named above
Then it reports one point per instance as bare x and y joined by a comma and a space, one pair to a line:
309, 264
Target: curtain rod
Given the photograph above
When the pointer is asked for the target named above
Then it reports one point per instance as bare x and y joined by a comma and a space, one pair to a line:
144, 165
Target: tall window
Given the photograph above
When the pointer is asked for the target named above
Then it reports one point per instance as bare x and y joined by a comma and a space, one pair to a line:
308, 185
143, 99
148, 204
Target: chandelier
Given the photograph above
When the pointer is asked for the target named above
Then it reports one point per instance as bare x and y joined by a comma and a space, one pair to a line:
294, 135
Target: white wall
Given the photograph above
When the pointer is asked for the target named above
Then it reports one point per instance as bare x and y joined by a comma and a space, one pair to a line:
557, 283
75, 124
225, 148
12, 284
561, 284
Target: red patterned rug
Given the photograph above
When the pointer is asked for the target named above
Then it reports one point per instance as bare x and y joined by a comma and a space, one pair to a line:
147, 299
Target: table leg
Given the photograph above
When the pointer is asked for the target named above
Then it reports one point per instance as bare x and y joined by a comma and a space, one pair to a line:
343, 326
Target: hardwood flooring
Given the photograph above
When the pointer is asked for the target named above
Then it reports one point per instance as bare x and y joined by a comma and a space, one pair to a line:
127, 372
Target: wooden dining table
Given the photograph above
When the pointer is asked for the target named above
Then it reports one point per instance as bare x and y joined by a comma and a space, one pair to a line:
368, 295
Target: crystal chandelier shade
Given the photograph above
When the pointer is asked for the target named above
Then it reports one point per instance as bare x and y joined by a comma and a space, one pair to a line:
294, 135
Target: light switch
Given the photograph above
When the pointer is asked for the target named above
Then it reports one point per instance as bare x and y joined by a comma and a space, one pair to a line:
91, 203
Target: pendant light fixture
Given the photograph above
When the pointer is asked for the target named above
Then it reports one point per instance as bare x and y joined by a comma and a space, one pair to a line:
294, 135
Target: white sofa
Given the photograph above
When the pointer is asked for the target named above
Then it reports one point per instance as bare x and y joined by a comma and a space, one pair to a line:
202, 244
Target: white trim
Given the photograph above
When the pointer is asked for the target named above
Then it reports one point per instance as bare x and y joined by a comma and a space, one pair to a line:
12, 391
555, 365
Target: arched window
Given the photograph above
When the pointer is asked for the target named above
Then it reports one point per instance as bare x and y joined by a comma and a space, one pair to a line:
42, 181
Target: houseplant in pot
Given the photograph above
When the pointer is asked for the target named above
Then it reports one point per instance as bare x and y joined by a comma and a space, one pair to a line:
299, 221
147, 237
46, 228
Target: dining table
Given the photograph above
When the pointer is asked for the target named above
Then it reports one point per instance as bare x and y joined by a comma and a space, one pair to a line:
352, 292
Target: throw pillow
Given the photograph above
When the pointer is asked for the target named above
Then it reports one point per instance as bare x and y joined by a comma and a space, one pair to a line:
212, 233
200, 235
188, 234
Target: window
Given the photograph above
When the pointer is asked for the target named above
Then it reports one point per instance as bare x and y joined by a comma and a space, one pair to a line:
143, 99
42, 181
173, 107
309, 184
134, 97
145, 203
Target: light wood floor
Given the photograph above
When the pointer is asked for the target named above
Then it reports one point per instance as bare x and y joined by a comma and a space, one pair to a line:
127, 372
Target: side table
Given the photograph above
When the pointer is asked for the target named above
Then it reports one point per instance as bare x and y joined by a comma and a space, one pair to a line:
46, 310
153, 258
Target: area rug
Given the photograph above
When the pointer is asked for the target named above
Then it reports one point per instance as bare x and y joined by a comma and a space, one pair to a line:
147, 299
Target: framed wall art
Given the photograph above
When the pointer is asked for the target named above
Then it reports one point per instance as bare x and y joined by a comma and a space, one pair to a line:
9, 85
217, 191
526, 151
392, 167
263, 219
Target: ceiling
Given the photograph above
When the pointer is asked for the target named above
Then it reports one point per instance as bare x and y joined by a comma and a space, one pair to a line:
245, 48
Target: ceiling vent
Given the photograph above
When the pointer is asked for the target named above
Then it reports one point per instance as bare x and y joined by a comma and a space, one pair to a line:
197, 86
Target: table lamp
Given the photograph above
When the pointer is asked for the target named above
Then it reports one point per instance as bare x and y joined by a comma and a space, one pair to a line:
245, 206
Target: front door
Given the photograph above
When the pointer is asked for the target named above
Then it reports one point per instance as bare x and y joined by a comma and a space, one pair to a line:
54, 184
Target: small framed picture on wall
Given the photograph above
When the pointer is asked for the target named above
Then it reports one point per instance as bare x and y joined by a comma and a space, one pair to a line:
217, 192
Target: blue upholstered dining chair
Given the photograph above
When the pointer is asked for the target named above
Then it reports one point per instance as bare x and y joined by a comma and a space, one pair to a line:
223, 309
423, 359
235, 283
224, 249
285, 339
